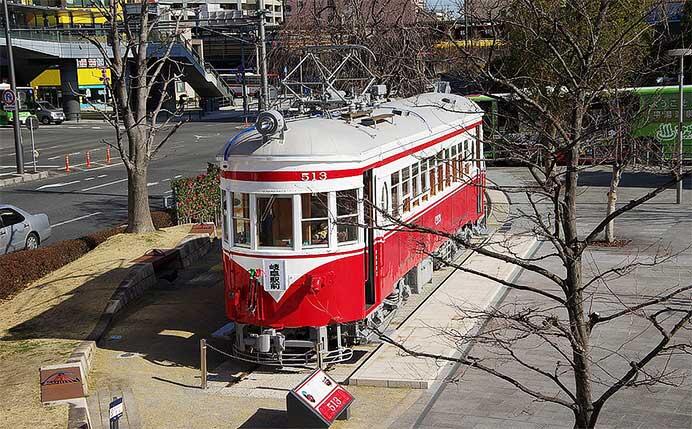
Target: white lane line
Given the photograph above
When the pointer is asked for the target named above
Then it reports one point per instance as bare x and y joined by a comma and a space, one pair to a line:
89, 178
75, 219
168, 192
56, 185
104, 184
100, 176
95, 128
178, 176
166, 180
54, 157
152, 183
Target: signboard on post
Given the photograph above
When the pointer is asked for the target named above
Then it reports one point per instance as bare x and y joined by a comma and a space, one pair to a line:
116, 409
9, 99
317, 401
61, 382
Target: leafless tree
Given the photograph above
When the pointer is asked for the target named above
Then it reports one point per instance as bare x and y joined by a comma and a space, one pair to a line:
137, 50
561, 60
398, 32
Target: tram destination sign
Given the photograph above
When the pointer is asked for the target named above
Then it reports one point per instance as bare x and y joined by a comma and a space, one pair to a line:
318, 395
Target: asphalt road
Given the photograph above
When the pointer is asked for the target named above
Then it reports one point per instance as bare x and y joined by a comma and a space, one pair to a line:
87, 200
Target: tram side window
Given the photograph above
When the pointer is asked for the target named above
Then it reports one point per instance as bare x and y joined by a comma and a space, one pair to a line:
440, 171
347, 216
448, 168
275, 221
241, 219
315, 222
406, 189
467, 158
453, 163
415, 192
424, 179
395, 194
224, 214
431, 171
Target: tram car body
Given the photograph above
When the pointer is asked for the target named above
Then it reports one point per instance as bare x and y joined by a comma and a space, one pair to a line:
315, 247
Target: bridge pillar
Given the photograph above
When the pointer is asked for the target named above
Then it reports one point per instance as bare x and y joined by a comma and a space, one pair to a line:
69, 85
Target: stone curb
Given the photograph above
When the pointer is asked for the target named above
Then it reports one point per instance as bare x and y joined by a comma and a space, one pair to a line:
26, 177
139, 279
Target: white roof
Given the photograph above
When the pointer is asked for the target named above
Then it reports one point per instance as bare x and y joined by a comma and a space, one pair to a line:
318, 138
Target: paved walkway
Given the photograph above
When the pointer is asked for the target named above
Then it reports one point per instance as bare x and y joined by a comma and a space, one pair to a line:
462, 293
469, 398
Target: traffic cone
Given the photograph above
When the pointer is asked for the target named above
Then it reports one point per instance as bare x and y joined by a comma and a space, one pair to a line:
88, 159
108, 154
67, 163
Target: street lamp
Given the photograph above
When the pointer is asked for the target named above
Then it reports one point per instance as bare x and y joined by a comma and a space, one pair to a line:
19, 152
682, 53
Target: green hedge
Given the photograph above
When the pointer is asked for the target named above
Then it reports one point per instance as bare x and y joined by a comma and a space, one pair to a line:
198, 199
19, 269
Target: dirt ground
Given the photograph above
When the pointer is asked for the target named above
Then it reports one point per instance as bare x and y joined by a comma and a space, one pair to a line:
151, 354
43, 323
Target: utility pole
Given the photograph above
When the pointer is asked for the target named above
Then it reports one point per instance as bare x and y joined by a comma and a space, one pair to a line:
682, 53
264, 95
18, 151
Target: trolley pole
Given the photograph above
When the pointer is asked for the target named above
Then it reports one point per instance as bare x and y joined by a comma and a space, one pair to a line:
203, 362
18, 151
264, 96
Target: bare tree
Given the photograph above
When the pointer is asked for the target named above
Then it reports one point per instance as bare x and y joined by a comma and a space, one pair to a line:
137, 51
562, 57
398, 32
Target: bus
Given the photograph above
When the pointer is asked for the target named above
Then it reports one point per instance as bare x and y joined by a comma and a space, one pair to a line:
656, 120
27, 103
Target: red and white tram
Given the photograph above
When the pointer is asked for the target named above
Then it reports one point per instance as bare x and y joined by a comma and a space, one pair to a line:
310, 250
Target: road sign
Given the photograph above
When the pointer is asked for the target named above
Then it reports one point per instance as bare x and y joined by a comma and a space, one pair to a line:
319, 395
9, 99
116, 409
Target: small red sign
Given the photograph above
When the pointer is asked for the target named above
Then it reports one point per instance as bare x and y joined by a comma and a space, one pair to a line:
323, 395
335, 403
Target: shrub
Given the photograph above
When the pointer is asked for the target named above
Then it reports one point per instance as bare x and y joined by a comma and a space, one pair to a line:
19, 269
198, 199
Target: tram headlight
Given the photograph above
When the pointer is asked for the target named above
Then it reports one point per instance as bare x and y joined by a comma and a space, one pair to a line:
269, 123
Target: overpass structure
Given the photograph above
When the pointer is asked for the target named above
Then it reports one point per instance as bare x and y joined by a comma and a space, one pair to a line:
36, 49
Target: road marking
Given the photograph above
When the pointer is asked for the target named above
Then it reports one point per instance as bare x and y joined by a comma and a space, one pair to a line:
100, 176
89, 178
178, 176
53, 157
164, 180
104, 184
57, 185
75, 219
168, 192
152, 183
95, 128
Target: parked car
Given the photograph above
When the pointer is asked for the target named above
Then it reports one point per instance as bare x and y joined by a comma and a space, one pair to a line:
21, 230
47, 113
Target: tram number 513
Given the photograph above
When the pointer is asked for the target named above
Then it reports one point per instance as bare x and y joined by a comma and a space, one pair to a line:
313, 175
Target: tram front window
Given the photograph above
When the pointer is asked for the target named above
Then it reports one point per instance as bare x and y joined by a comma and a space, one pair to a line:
275, 221
315, 222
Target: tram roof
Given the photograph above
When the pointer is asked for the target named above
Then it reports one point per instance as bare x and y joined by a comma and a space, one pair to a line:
424, 116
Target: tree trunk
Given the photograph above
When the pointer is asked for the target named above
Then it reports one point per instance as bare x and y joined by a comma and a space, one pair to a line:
138, 212
612, 199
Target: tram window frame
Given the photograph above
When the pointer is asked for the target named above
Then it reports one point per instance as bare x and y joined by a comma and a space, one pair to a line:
406, 189
432, 169
224, 213
440, 171
351, 216
424, 180
395, 194
310, 220
415, 184
448, 168
258, 223
244, 198
453, 162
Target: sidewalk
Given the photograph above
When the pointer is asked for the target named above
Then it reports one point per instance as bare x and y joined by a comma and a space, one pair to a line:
443, 311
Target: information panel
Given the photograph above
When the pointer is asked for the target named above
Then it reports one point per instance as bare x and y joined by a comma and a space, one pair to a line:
323, 395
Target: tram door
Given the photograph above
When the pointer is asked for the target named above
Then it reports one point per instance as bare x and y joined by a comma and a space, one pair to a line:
368, 206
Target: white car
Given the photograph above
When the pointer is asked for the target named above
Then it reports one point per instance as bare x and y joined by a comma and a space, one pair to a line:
21, 230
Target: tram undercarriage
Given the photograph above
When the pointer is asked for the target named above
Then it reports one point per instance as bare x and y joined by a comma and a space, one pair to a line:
299, 347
